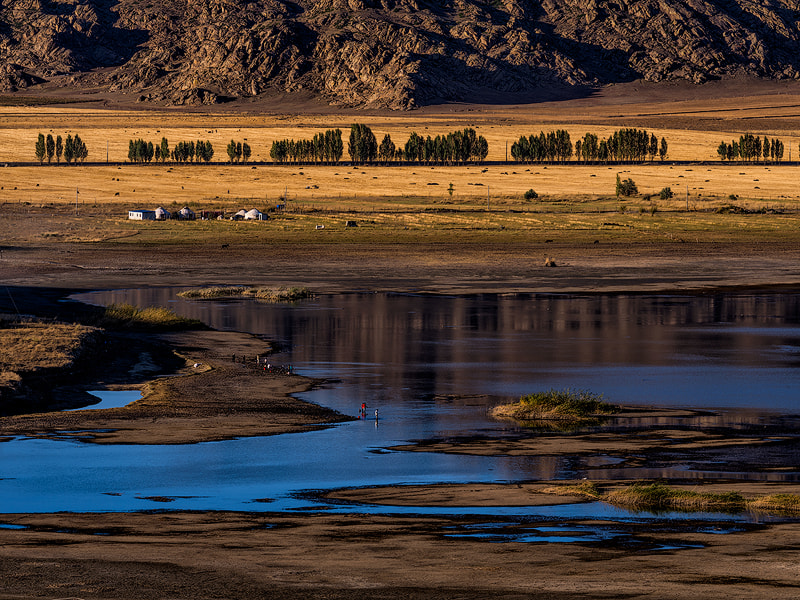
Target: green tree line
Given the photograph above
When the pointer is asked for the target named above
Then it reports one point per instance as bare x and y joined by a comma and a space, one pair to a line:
238, 152
322, 148
624, 145
751, 148
140, 151
455, 147
552, 146
73, 149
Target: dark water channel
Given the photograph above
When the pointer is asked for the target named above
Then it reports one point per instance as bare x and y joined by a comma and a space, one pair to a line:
425, 363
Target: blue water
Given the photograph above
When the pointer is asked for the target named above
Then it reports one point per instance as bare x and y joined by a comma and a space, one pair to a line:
418, 359
112, 399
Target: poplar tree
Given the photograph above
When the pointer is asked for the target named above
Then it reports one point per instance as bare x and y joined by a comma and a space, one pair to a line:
164, 149
362, 146
386, 149
69, 151
51, 147
41, 148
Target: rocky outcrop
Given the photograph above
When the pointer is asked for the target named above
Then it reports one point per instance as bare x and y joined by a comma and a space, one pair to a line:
389, 53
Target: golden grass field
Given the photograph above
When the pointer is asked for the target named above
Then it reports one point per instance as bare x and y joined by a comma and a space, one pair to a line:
409, 202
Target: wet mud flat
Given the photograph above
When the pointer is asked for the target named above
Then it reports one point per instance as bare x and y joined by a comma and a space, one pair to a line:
643, 442
238, 555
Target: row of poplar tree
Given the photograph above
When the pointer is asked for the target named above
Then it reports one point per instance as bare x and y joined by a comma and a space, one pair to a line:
140, 151
73, 149
624, 145
751, 148
362, 146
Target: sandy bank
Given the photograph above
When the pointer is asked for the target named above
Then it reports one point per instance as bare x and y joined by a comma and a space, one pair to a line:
345, 557
212, 397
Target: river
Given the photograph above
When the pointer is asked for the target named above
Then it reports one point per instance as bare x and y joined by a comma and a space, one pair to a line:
425, 363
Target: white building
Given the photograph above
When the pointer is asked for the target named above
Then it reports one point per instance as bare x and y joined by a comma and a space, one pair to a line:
142, 215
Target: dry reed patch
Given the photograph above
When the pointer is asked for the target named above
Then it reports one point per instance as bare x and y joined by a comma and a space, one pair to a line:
659, 496
153, 318
30, 347
263, 294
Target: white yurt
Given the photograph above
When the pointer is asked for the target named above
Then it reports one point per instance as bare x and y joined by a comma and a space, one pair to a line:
186, 213
239, 215
254, 215
162, 214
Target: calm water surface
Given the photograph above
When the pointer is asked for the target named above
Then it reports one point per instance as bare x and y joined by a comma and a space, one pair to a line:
418, 359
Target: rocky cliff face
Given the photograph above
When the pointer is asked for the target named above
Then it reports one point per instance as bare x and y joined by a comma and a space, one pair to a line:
389, 53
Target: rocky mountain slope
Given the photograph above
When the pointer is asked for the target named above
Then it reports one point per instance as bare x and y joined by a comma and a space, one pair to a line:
389, 53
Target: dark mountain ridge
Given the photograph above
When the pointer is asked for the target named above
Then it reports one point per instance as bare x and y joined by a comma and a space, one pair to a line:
395, 54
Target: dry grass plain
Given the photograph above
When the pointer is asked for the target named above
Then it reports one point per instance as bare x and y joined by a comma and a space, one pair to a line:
693, 120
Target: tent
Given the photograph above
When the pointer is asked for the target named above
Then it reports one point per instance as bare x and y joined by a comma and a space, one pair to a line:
254, 215
162, 214
186, 213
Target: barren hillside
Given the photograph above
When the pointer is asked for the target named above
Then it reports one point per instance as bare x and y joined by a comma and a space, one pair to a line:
389, 53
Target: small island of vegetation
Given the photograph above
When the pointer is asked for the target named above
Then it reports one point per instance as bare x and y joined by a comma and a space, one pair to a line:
259, 293
563, 406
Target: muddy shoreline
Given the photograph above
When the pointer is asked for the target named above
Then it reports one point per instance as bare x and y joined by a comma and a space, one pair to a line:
238, 555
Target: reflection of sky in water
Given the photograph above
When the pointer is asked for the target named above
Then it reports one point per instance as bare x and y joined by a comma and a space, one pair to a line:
404, 355
112, 399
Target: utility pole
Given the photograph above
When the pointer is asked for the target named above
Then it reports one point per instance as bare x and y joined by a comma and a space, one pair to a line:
488, 199
687, 197
76, 202
106, 151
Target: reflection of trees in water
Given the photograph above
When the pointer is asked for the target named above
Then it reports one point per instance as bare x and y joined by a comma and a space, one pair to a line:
435, 344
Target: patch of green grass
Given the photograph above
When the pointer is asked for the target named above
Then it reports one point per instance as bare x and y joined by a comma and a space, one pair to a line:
155, 318
567, 402
564, 406
264, 294
658, 496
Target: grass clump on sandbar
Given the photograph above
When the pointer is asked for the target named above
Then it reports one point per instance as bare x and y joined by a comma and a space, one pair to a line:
154, 318
264, 294
658, 496
556, 405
